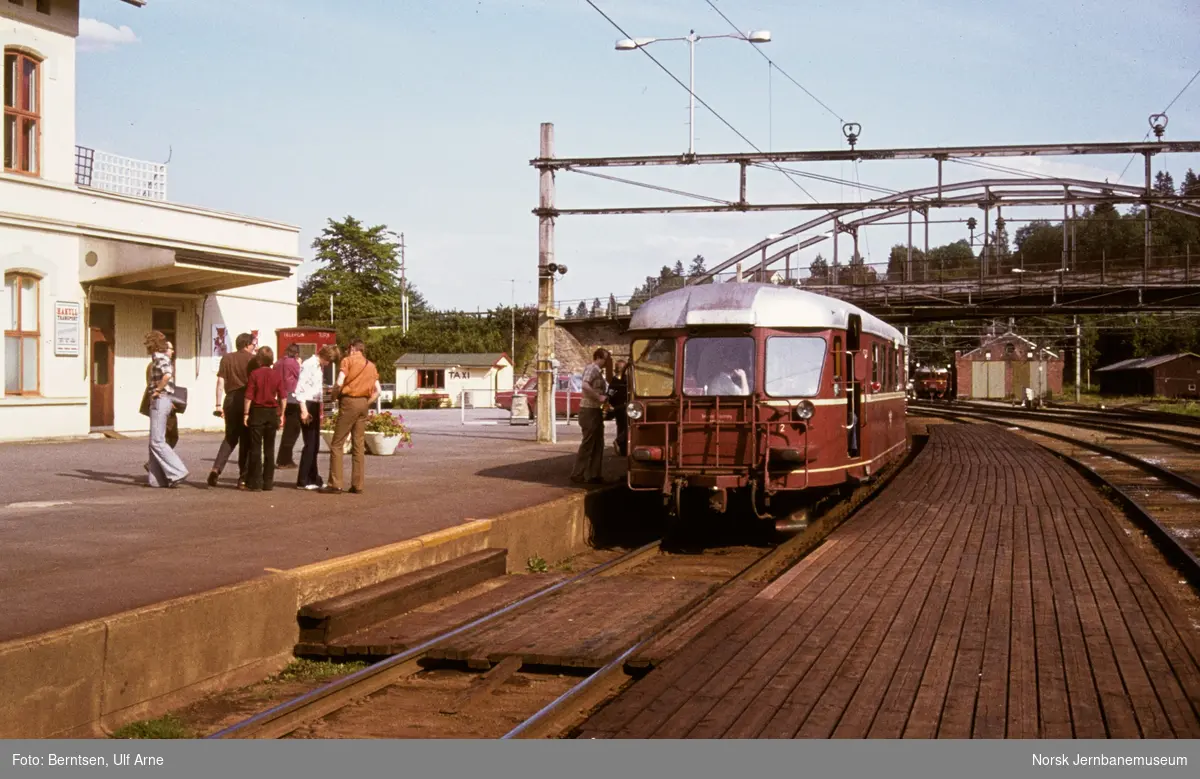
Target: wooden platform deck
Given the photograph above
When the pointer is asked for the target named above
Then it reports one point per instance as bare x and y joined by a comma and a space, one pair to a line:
988, 593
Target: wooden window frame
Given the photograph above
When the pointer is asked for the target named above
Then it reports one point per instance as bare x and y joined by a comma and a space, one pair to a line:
20, 334
439, 378
23, 116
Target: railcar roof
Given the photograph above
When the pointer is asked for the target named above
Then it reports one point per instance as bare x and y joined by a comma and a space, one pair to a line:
759, 305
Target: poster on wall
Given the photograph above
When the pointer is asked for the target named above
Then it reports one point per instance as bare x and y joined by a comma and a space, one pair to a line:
68, 319
220, 345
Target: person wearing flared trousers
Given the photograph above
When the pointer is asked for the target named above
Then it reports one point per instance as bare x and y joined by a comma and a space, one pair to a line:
165, 469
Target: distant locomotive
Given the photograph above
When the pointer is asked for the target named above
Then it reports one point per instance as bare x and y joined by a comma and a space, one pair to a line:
931, 383
759, 389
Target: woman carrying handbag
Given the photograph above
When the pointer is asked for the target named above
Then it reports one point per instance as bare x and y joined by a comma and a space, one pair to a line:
166, 469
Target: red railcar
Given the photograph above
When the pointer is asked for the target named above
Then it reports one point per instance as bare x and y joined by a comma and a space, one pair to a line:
931, 383
759, 389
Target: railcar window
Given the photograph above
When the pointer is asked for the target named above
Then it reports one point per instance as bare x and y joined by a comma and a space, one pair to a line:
794, 365
654, 368
837, 358
874, 363
718, 366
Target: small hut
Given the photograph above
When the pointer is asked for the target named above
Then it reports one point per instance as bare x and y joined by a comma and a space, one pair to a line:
1166, 376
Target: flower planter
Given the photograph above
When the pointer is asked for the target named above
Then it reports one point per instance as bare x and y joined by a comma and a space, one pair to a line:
327, 437
383, 445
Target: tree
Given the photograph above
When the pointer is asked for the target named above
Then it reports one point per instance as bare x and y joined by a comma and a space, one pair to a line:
1164, 184
596, 307
678, 270
898, 260
1191, 184
612, 306
1039, 245
360, 270
818, 270
953, 261
697, 266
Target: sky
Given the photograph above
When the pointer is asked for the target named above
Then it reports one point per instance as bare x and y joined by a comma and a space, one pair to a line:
424, 114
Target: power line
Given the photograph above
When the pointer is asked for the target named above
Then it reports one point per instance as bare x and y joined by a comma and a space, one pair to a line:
776, 65
1168, 108
698, 99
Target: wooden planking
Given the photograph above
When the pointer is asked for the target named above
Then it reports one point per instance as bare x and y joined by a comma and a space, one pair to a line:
987, 593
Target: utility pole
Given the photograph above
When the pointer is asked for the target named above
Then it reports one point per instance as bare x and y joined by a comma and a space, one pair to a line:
403, 290
1078, 345
546, 428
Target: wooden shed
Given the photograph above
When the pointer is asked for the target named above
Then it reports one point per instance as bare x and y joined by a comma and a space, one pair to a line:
1004, 366
1166, 376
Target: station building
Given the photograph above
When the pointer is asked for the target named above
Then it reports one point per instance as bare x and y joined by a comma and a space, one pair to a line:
449, 379
1004, 366
93, 255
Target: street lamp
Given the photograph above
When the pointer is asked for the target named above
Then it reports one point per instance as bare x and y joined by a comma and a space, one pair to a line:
630, 44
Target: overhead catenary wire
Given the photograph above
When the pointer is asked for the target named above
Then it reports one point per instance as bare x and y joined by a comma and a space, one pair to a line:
1147, 135
698, 99
776, 65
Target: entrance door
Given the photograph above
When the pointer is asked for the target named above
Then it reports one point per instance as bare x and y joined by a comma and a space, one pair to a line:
995, 379
102, 321
854, 420
979, 379
1022, 379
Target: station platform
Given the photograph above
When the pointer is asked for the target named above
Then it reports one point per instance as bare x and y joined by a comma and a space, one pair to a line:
988, 592
83, 539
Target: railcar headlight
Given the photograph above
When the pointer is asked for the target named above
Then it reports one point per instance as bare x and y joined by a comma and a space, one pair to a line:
805, 410
635, 410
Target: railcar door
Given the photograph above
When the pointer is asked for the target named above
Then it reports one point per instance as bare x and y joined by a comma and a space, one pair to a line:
854, 420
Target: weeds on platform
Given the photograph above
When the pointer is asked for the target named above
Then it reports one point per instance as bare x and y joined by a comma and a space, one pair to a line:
537, 564
304, 670
163, 727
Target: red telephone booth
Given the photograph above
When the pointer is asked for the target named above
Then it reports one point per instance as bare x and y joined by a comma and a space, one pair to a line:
310, 340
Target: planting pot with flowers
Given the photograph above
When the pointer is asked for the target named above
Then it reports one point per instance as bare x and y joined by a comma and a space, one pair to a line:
386, 432
328, 426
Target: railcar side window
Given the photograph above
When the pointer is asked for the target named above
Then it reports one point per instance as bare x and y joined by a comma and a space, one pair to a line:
654, 368
718, 366
874, 363
794, 365
837, 358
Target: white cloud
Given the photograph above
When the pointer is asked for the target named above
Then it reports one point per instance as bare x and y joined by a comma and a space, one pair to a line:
95, 35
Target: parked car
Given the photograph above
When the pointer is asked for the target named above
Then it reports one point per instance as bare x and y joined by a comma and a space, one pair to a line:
528, 388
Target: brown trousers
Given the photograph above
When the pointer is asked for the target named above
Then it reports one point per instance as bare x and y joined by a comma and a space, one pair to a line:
589, 461
352, 418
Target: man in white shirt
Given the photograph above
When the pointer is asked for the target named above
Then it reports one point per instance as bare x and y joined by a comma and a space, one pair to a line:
309, 389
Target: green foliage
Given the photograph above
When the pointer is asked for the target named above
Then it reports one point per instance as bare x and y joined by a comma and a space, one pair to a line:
304, 670
406, 401
390, 425
454, 332
360, 269
536, 564
163, 727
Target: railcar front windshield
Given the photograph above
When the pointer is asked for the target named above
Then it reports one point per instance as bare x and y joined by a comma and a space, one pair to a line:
718, 366
794, 365
653, 367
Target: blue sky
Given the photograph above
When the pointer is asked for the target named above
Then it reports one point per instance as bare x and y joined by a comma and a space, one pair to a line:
424, 114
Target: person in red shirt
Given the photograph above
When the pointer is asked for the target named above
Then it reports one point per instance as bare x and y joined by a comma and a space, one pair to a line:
266, 403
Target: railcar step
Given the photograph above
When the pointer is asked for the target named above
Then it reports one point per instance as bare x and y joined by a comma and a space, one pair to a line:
326, 620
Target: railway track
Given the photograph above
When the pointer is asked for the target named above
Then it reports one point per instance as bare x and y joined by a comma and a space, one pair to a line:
556, 654
1155, 477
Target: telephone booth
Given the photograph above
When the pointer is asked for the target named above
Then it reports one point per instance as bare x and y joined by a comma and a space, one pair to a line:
311, 340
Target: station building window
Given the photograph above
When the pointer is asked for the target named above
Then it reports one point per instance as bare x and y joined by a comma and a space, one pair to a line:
22, 334
22, 112
428, 378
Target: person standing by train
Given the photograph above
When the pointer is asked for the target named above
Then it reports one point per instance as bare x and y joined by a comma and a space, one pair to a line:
589, 462
288, 367
618, 397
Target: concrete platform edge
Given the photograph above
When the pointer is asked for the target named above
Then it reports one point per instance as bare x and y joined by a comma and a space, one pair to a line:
88, 679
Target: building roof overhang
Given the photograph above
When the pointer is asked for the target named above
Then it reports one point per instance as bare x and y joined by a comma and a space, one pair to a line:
198, 273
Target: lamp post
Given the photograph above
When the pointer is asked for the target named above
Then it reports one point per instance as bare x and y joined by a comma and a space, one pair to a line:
630, 44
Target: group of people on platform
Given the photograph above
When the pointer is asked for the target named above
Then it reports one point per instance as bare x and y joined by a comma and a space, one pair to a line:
602, 399
257, 396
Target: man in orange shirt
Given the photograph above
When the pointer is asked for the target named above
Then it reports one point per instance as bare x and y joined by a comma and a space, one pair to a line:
356, 389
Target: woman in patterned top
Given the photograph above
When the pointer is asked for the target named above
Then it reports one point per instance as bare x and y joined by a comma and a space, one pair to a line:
166, 469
